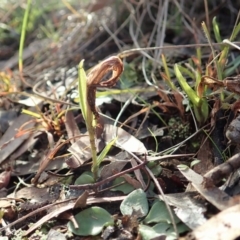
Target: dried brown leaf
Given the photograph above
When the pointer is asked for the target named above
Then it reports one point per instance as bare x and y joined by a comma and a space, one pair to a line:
113, 167
179, 102
71, 127
9, 142
49, 216
136, 184
81, 151
138, 174
207, 189
224, 225
205, 156
54, 234
27, 167
81, 202
124, 140
5, 177
188, 208
214, 111
232, 84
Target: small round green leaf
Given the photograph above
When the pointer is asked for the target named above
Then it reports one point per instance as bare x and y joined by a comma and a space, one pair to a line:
159, 213
84, 178
182, 167
91, 221
135, 203
168, 230
194, 162
161, 229
125, 187
148, 232
155, 168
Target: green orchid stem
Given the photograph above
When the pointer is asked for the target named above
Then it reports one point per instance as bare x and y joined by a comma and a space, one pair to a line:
91, 132
88, 116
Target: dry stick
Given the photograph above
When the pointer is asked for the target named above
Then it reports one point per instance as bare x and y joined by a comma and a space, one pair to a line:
50, 156
145, 188
125, 54
96, 185
32, 213
93, 186
130, 52
224, 170
35, 87
38, 84
207, 14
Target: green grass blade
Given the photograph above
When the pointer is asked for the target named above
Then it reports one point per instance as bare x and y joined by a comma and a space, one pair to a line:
216, 30
23, 35
186, 71
232, 67
87, 115
199, 55
236, 28
217, 63
122, 91
32, 114
235, 32
204, 110
82, 89
185, 86
198, 78
105, 151
166, 70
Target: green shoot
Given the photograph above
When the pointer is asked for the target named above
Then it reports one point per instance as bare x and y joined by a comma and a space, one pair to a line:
23, 35
105, 151
217, 64
216, 30
200, 105
185, 86
166, 70
88, 116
